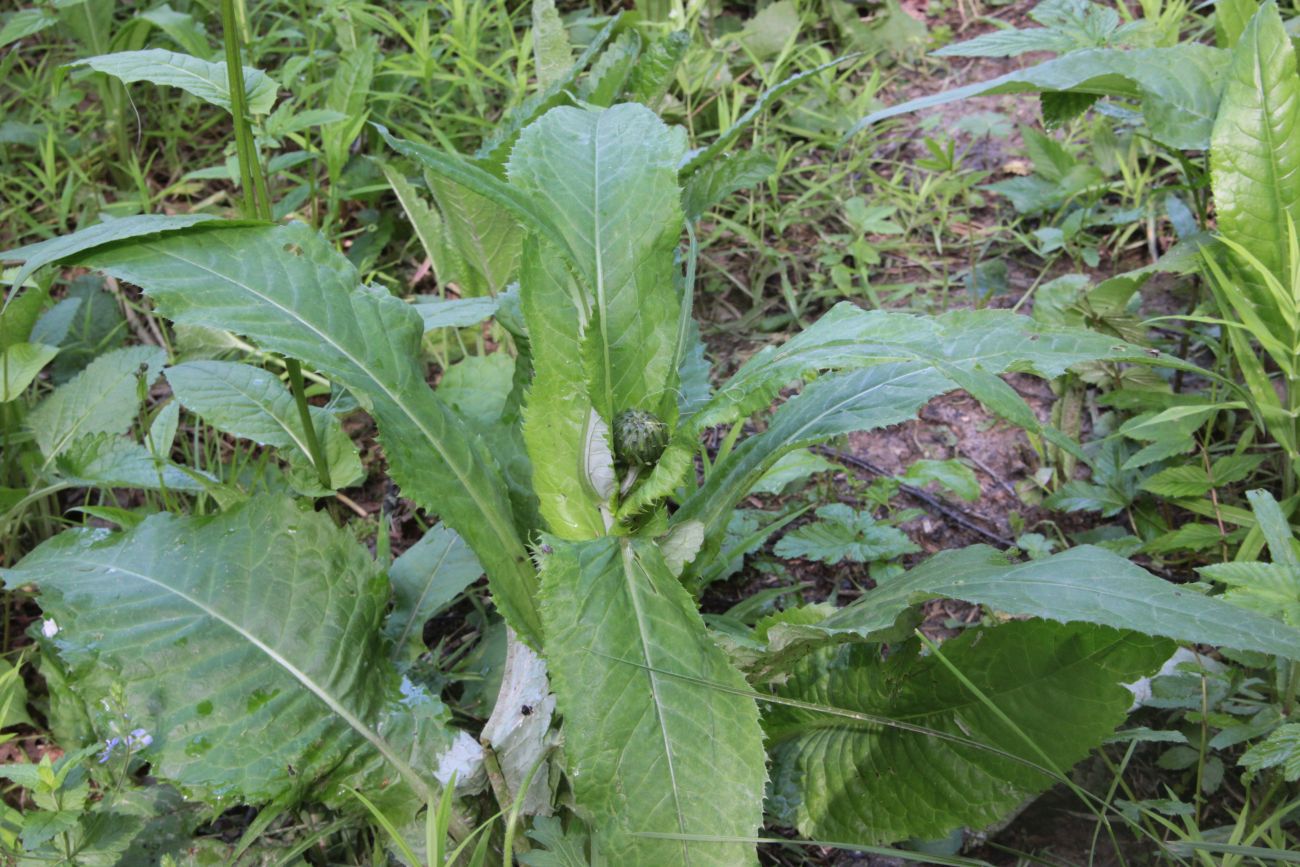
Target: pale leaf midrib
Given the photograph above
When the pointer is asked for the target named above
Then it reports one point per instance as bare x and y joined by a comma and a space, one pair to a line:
628, 557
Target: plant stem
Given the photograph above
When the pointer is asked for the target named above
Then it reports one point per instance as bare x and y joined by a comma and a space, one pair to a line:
257, 204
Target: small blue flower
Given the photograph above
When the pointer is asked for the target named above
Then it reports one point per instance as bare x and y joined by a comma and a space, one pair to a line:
139, 739
109, 745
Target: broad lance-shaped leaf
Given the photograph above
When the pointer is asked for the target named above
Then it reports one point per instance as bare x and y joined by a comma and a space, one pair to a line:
610, 179
832, 406
840, 778
287, 288
426, 578
245, 642
34, 256
249, 402
455, 168
103, 398
660, 737
203, 78
1255, 147
484, 235
557, 409
1084, 584
1179, 87
427, 223
967, 344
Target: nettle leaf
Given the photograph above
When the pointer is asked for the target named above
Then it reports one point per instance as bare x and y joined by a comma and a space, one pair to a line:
426, 579
660, 735
1179, 87
838, 777
1085, 584
249, 402
287, 288
110, 461
246, 643
1255, 146
1281, 749
203, 78
1181, 481
610, 177
103, 398
843, 533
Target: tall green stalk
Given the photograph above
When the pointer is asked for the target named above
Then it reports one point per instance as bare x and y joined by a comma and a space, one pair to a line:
257, 205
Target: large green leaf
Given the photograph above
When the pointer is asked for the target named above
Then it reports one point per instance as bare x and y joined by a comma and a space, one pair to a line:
456, 169
287, 288
24, 23
248, 402
1084, 584
483, 234
427, 223
100, 399
34, 256
349, 87
610, 178
1255, 147
246, 644
203, 78
965, 347
843, 778
660, 738
1179, 87
426, 578
832, 406
558, 411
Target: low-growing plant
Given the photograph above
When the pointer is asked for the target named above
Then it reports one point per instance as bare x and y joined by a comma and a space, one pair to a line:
254, 647
251, 650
